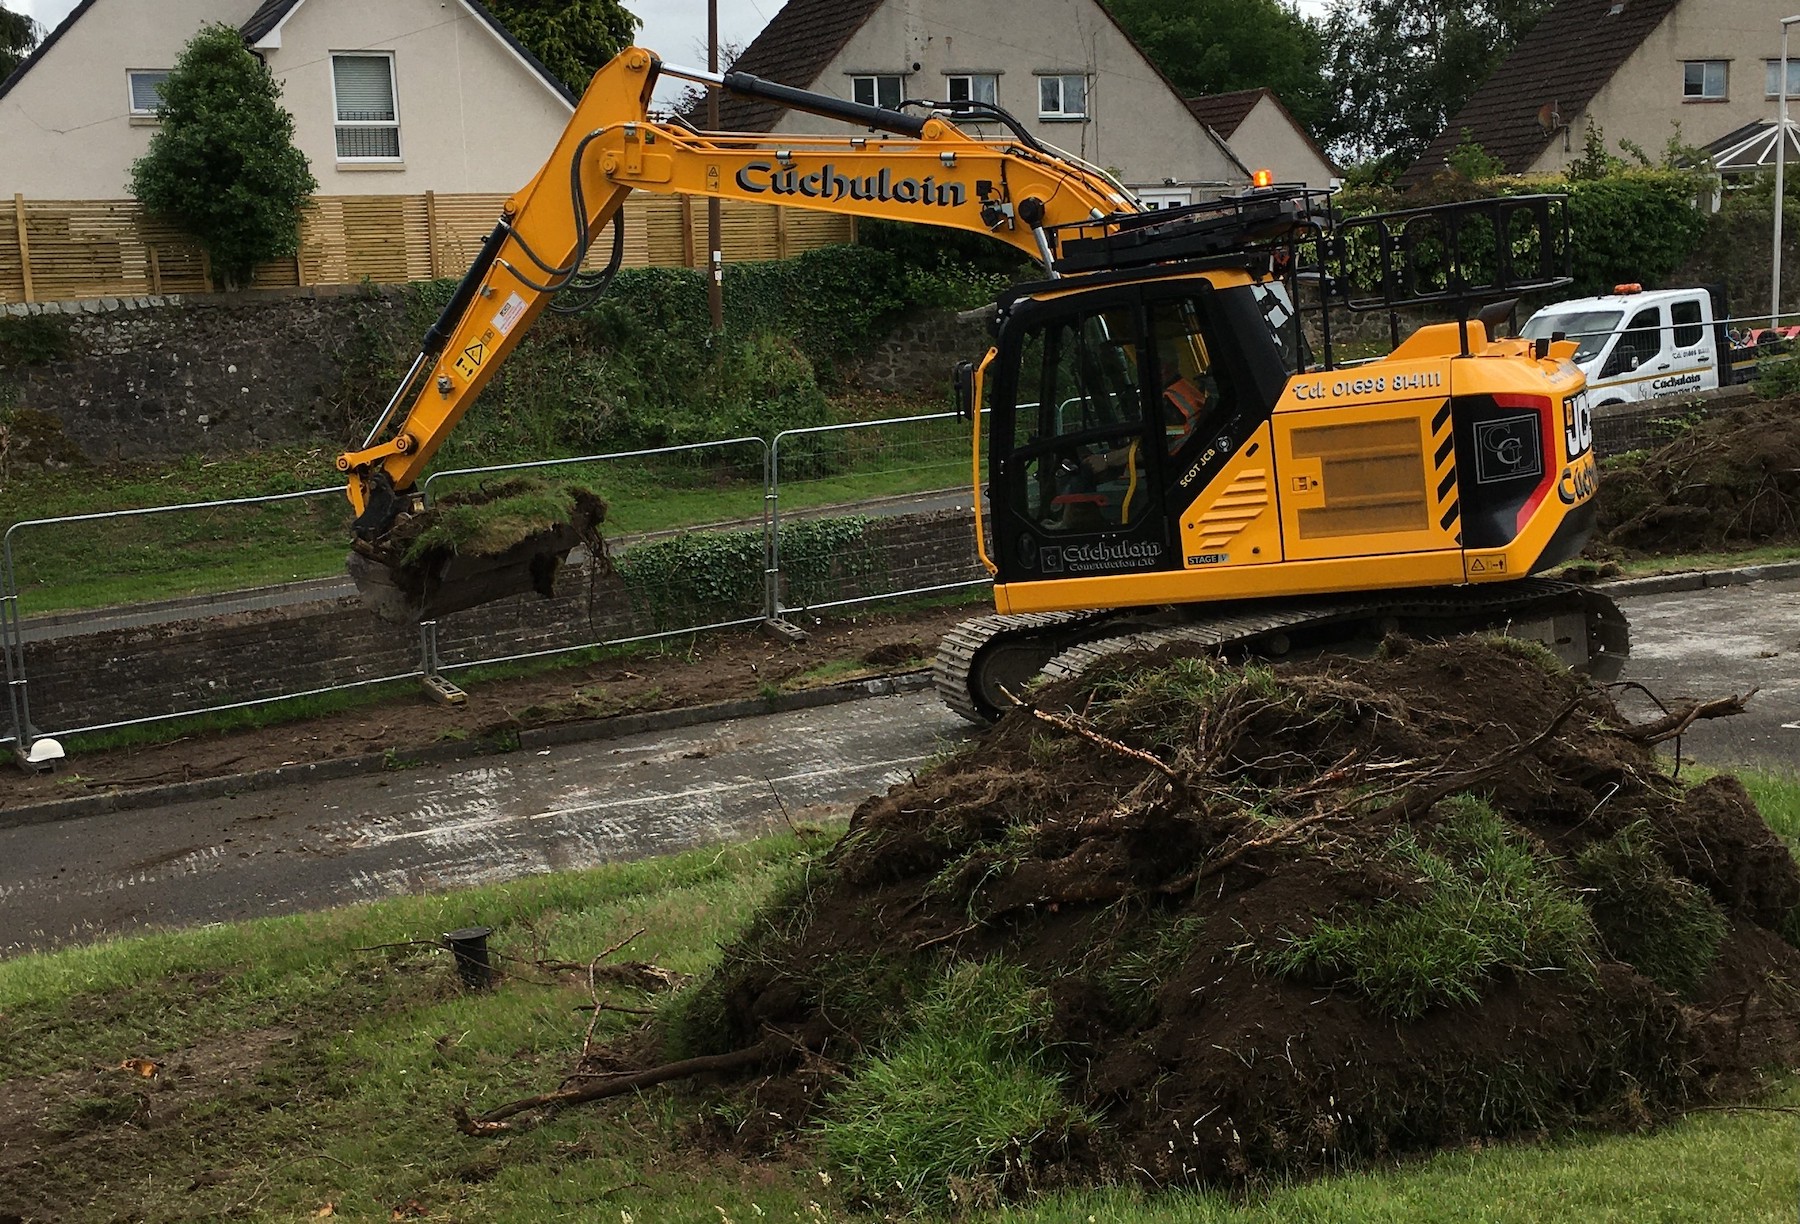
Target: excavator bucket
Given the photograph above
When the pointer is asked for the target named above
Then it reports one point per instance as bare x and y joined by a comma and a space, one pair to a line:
417, 572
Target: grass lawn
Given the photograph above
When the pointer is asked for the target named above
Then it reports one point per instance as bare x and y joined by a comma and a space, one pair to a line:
302, 1067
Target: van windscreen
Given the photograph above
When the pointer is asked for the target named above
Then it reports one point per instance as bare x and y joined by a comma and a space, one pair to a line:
1588, 328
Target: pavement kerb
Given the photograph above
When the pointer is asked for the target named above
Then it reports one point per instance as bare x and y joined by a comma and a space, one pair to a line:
1668, 584
621, 725
530, 739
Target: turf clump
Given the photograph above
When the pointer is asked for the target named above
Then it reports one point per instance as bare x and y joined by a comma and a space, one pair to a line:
490, 521
1489, 904
964, 1106
1180, 922
473, 546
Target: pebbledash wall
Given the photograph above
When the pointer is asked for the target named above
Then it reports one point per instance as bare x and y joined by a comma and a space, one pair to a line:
194, 662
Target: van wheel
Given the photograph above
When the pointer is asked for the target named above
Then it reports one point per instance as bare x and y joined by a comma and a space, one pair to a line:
1611, 403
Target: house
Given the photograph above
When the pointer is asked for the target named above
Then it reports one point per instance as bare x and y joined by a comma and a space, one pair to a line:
1065, 68
1641, 71
1265, 135
389, 97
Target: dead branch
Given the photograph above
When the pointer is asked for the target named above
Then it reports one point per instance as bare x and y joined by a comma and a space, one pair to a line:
1421, 800
493, 1122
1087, 733
1675, 722
616, 1007
781, 806
1283, 833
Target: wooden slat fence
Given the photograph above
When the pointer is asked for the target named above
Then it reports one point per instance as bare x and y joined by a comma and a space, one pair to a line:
62, 250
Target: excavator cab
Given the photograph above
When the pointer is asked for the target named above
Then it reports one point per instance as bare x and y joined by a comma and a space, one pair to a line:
1107, 404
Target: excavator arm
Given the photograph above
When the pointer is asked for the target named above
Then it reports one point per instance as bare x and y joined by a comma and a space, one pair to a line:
916, 166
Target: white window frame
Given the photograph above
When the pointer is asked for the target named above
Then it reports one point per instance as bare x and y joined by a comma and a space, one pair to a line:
969, 79
874, 80
338, 124
1061, 113
1770, 84
1705, 66
1159, 198
131, 106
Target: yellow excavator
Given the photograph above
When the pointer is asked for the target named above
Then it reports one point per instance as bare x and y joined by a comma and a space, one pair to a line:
1166, 457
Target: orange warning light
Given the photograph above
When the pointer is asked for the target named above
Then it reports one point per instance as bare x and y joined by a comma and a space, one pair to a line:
1262, 178
1634, 287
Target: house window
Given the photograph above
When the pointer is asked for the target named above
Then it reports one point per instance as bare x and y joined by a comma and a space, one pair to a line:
877, 90
973, 87
368, 120
1703, 80
145, 86
1062, 97
1772, 79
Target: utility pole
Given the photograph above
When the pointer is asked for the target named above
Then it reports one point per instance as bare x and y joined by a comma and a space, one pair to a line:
715, 267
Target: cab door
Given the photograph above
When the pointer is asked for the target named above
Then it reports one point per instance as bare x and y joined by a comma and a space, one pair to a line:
1074, 464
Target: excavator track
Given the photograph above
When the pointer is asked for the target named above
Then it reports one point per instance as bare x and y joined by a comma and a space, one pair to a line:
983, 663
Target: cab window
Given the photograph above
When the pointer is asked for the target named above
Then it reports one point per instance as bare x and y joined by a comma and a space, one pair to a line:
1188, 391
1688, 329
1078, 425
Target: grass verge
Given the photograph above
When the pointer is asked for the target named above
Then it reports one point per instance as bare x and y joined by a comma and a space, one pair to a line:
311, 1061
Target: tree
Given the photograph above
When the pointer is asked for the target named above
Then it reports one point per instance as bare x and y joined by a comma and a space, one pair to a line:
574, 38
1399, 70
223, 165
18, 35
1223, 45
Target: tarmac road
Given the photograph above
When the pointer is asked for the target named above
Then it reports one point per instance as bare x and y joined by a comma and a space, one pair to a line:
318, 844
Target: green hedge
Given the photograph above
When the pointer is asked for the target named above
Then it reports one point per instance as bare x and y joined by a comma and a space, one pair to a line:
1637, 224
642, 367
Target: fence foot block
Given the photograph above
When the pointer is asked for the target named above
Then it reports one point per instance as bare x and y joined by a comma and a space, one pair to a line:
443, 692
786, 630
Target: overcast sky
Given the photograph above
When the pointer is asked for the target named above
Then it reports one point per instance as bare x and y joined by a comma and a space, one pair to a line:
674, 29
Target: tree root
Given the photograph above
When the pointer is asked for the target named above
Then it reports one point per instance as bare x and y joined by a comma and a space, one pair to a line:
773, 1048
1675, 722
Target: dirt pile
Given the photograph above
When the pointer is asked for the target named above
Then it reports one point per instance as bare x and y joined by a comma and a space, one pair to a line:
1190, 923
1731, 481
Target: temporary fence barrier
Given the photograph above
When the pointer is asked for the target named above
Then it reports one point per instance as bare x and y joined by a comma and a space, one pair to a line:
654, 581
923, 452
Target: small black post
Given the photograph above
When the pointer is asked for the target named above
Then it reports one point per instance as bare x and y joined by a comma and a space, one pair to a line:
470, 948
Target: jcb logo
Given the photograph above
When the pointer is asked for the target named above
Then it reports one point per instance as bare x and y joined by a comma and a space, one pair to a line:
1578, 425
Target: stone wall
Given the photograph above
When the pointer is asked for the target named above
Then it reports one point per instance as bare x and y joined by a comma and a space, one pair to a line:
919, 355
153, 378
99, 676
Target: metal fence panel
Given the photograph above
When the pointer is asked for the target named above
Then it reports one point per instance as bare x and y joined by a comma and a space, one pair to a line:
156, 660
657, 579
701, 542
818, 560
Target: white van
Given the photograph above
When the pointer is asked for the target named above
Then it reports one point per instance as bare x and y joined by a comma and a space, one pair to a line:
1638, 344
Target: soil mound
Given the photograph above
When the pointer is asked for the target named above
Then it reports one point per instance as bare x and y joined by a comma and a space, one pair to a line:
1731, 481
1245, 922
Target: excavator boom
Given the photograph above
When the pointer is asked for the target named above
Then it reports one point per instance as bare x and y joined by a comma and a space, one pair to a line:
928, 172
